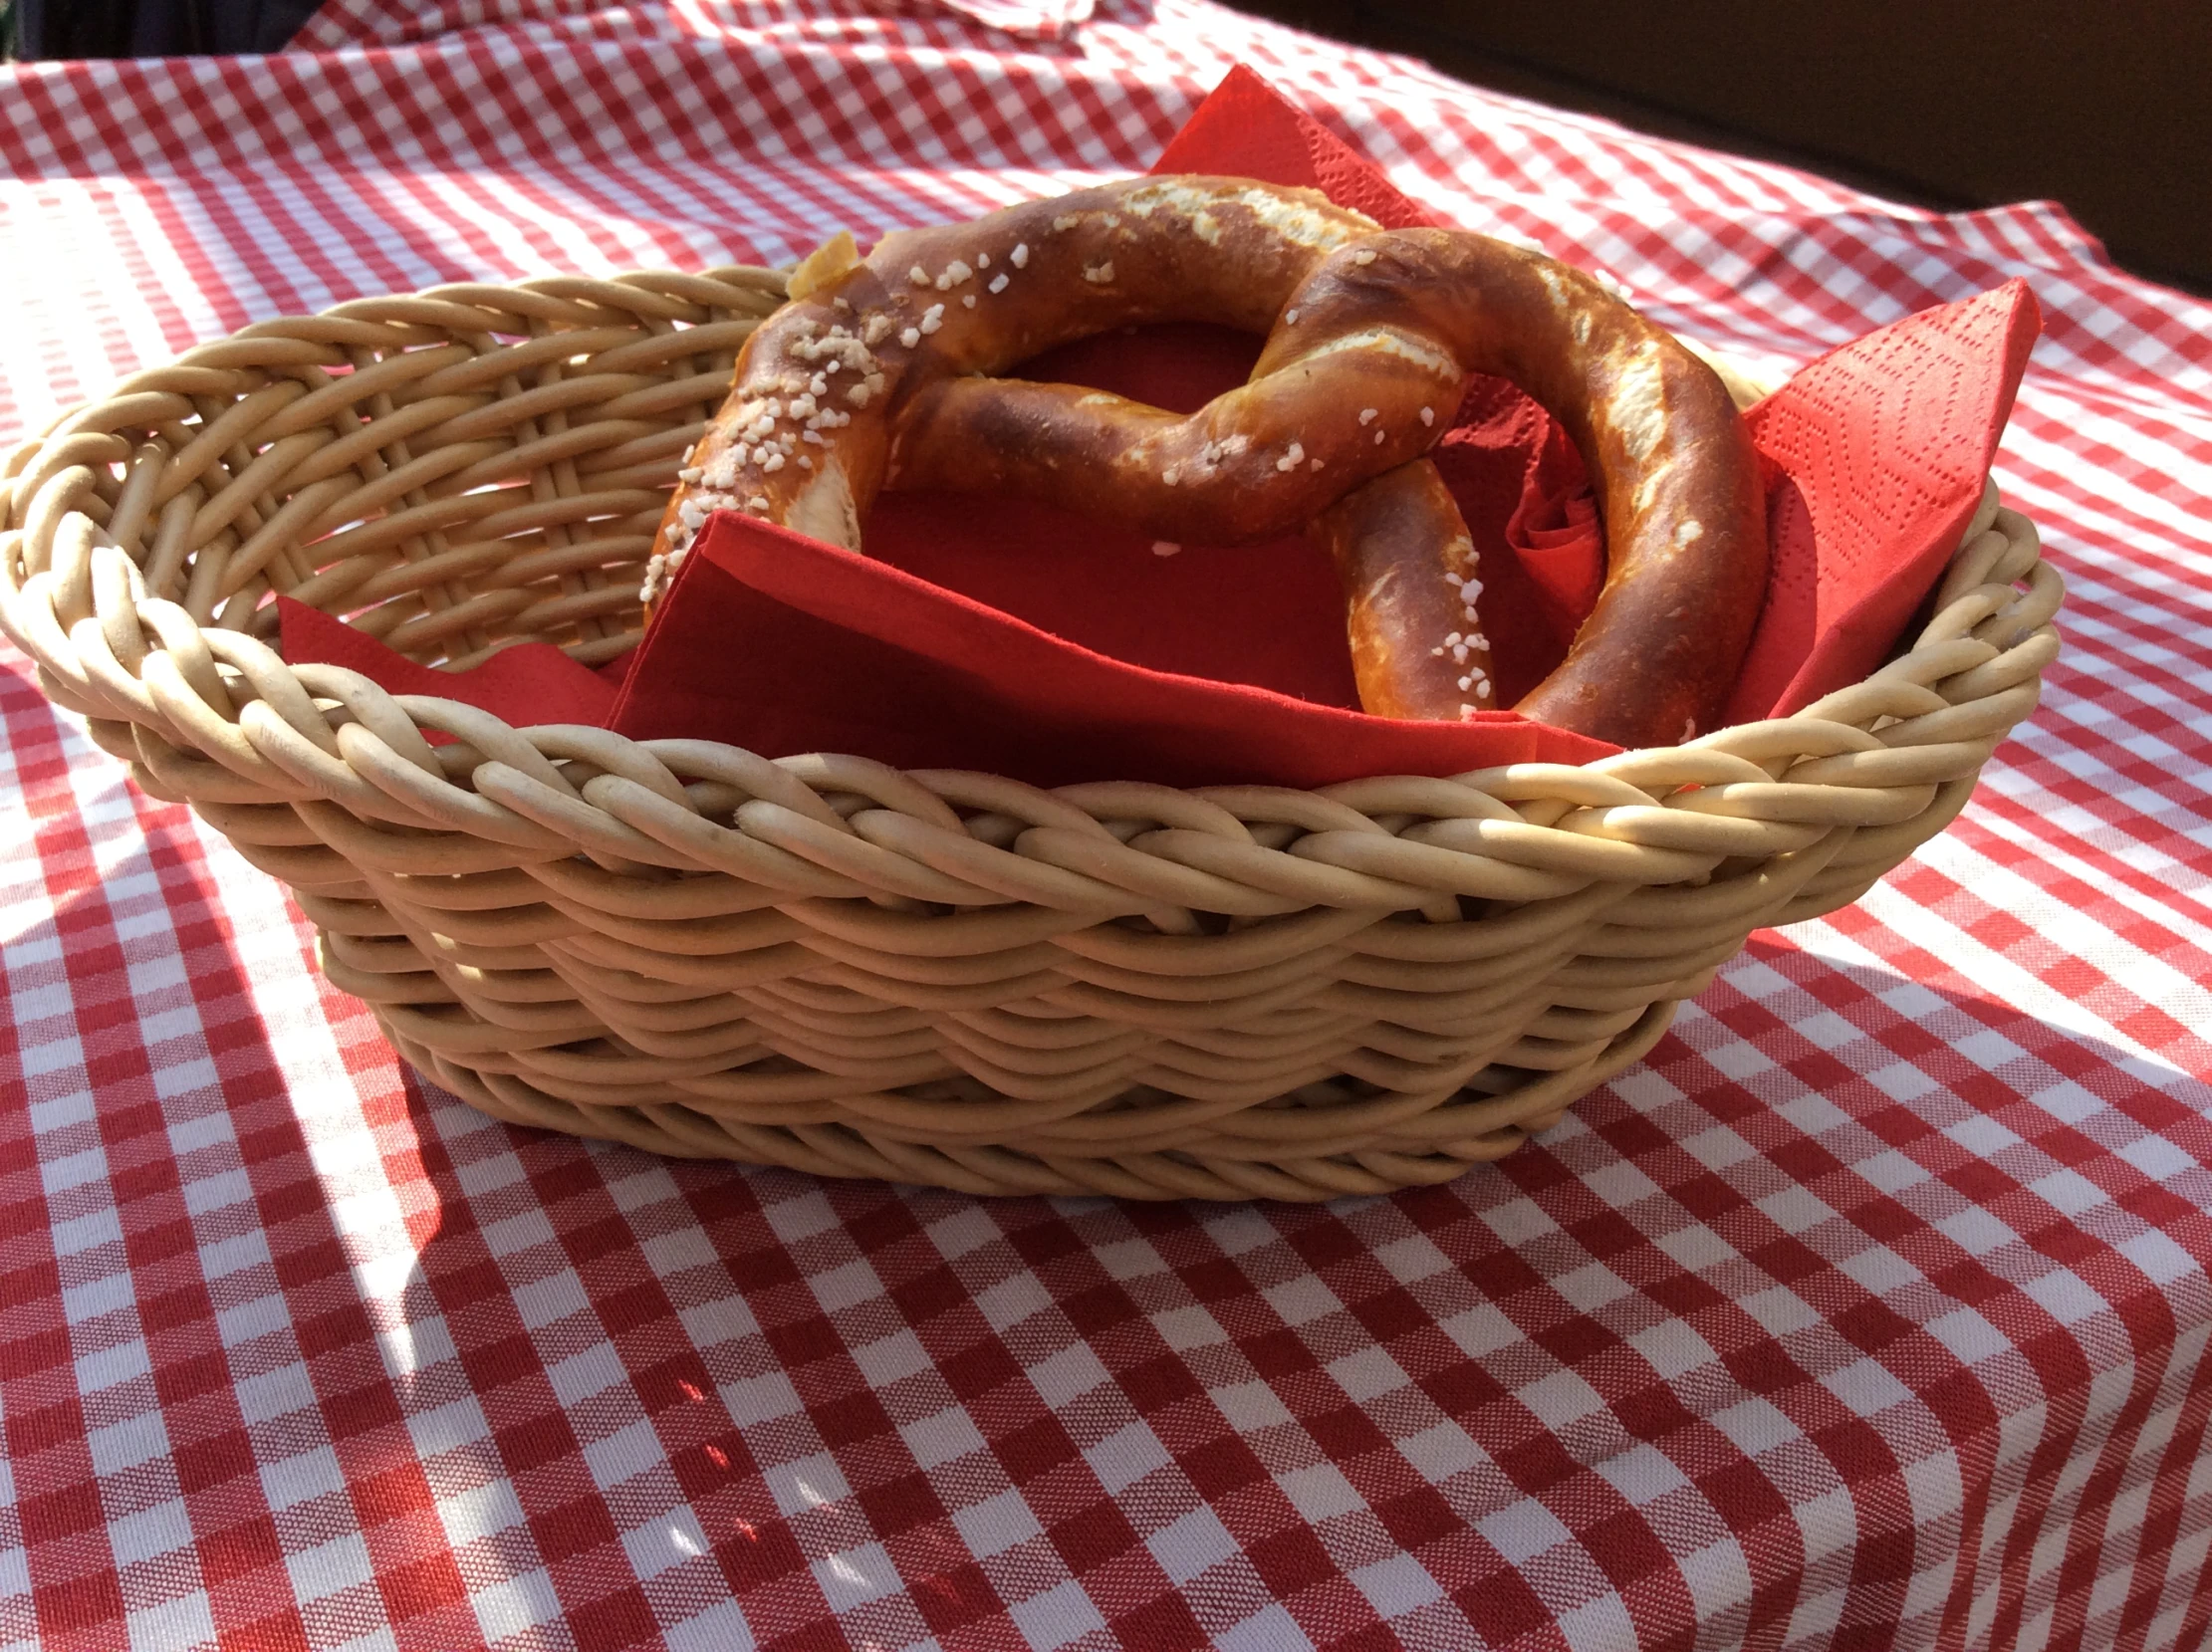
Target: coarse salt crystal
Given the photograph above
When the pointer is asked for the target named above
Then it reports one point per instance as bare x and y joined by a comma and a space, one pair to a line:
1367, 415
1099, 274
1428, 415
1164, 548
998, 282
933, 317
1362, 256
910, 338
919, 276
1018, 257
1292, 458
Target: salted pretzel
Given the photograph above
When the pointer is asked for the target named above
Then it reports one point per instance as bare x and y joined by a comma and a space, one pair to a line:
877, 375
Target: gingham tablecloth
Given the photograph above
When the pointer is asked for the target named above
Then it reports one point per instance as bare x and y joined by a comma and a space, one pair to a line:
1872, 1311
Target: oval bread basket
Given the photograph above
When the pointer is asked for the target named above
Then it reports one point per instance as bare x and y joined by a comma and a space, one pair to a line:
825, 963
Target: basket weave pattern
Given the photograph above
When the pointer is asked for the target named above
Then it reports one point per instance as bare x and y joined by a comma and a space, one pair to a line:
827, 963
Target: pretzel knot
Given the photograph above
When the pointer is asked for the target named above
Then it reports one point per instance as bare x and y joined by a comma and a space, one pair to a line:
877, 375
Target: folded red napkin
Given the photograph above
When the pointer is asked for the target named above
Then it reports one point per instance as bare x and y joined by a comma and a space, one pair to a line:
529, 682
992, 633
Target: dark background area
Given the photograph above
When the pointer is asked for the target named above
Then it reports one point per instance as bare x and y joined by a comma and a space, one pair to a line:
32, 29
2103, 105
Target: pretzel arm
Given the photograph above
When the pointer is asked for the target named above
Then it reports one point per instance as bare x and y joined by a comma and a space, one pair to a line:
801, 438
1678, 480
1408, 570
1253, 463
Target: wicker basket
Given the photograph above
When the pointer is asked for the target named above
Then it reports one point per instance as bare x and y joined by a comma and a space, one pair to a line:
825, 963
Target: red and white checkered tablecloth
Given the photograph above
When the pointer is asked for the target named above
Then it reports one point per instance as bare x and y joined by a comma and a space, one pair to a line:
1872, 1311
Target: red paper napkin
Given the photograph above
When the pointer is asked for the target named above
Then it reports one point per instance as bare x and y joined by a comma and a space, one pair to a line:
1878, 453
962, 684
993, 633
530, 682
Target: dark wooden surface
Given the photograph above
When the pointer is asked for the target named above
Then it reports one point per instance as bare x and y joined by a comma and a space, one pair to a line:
2103, 105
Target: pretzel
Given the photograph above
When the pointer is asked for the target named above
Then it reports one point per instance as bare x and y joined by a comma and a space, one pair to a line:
878, 376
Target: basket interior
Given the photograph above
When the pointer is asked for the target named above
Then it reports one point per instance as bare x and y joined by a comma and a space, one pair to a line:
450, 472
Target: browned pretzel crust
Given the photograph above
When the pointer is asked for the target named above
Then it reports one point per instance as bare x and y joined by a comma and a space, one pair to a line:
877, 375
